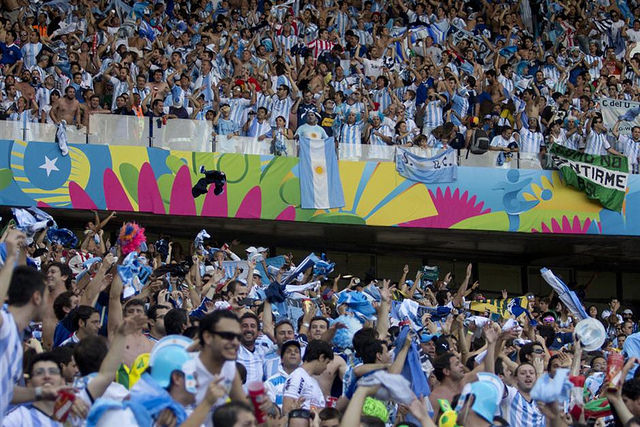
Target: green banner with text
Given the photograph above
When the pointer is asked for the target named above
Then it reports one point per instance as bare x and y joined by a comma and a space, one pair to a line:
600, 177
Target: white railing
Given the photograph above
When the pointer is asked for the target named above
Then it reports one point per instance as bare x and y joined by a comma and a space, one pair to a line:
198, 135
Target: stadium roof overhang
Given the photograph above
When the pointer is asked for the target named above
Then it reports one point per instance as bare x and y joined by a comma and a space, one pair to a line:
592, 252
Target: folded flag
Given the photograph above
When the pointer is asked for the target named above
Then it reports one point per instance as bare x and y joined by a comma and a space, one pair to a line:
567, 296
357, 304
603, 178
320, 185
198, 242
62, 236
61, 138
440, 168
556, 389
29, 224
412, 369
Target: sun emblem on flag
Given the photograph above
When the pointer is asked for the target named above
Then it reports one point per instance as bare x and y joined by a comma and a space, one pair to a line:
319, 170
313, 135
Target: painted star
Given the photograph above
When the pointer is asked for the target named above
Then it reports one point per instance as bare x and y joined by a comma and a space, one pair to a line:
49, 165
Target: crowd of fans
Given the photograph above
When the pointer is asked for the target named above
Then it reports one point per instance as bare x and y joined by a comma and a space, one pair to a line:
522, 74
123, 331
105, 333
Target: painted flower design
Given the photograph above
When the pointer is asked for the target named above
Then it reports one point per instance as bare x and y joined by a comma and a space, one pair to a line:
452, 208
566, 226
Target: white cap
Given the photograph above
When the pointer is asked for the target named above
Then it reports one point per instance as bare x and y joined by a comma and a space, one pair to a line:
251, 249
256, 272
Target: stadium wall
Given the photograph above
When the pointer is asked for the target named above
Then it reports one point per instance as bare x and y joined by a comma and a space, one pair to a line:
153, 180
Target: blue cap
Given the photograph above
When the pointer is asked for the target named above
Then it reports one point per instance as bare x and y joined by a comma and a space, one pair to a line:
169, 355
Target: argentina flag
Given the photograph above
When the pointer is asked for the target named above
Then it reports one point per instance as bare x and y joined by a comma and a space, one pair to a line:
567, 296
320, 185
440, 168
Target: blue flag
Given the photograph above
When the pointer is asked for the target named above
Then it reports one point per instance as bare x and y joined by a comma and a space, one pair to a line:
440, 168
320, 185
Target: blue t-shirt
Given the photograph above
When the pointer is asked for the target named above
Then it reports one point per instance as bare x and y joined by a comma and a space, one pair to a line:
10, 54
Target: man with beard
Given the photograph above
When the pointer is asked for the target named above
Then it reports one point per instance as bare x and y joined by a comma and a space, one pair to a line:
518, 407
250, 355
220, 337
156, 315
451, 373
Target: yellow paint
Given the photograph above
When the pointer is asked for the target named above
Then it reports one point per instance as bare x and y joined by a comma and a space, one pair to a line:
135, 156
350, 173
13, 153
403, 207
382, 182
564, 198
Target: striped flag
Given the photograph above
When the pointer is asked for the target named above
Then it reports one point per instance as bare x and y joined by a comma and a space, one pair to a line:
320, 185
567, 296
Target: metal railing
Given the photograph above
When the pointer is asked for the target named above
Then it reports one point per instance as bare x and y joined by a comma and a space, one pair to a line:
198, 135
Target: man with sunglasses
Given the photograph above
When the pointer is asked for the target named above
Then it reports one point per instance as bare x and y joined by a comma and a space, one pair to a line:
597, 142
220, 336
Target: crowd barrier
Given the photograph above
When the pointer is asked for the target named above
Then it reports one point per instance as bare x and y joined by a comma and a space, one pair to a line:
198, 135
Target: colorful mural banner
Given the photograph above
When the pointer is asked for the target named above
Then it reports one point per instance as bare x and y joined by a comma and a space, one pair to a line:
153, 180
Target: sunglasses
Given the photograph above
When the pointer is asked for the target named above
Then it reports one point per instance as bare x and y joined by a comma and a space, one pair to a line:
300, 413
42, 371
538, 351
229, 336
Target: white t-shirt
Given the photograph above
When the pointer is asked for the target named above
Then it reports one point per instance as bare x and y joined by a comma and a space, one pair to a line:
204, 377
301, 384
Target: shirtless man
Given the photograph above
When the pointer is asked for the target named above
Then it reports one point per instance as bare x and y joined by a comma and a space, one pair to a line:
24, 86
494, 87
67, 108
135, 344
157, 85
93, 107
319, 330
451, 373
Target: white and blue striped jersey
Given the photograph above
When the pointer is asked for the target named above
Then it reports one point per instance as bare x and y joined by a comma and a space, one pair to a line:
530, 142
257, 129
10, 359
631, 149
143, 93
433, 114
377, 140
271, 363
340, 85
382, 97
238, 106
263, 100
274, 386
280, 107
28, 416
595, 65
350, 134
43, 96
552, 73
119, 87
597, 143
285, 43
459, 104
507, 85
29, 53
520, 412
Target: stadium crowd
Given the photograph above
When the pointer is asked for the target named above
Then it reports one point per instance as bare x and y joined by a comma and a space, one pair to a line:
487, 75
116, 330
112, 329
